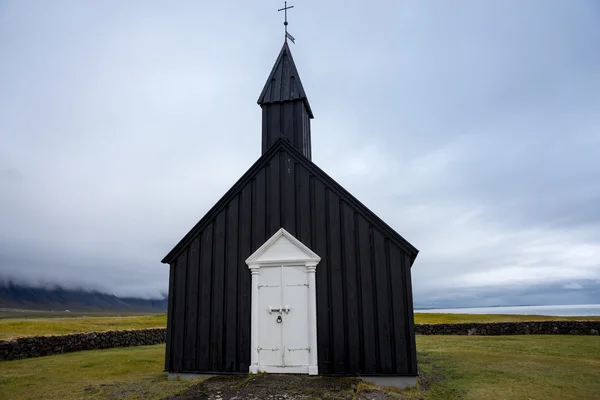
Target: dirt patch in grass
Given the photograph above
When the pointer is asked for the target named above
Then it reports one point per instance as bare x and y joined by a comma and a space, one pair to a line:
428, 372
276, 387
287, 386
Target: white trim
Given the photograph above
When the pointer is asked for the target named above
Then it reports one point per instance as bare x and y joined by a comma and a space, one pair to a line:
272, 369
254, 259
310, 261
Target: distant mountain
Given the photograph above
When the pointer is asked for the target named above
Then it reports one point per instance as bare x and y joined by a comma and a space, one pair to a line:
60, 299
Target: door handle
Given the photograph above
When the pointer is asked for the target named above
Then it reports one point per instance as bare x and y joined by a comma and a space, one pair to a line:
285, 309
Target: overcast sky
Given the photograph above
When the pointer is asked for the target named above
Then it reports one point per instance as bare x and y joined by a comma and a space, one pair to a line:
472, 128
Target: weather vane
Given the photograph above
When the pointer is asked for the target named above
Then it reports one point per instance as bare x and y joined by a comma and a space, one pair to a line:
284, 9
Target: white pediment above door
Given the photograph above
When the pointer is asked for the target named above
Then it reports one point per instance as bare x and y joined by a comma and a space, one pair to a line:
283, 248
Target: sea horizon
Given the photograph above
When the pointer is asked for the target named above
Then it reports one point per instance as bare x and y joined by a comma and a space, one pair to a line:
559, 310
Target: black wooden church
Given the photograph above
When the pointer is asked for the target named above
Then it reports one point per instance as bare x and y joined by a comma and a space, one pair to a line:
288, 272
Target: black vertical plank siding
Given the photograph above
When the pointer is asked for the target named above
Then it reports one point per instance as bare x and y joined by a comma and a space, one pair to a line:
399, 308
273, 200
205, 299
289, 191
383, 305
351, 288
180, 304
191, 312
365, 323
337, 283
231, 280
324, 337
298, 121
303, 212
170, 318
411, 347
286, 71
388, 278
258, 211
307, 134
275, 121
218, 292
244, 297
287, 123
266, 140
367, 289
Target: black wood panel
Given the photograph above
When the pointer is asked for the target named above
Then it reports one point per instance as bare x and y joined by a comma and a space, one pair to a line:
273, 199
180, 305
319, 222
170, 317
244, 279
388, 278
259, 210
303, 211
191, 312
411, 347
383, 306
287, 123
289, 191
218, 298
205, 300
231, 286
287, 74
307, 135
367, 290
351, 288
266, 143
398, 308
275, 119
338, 315
298, 126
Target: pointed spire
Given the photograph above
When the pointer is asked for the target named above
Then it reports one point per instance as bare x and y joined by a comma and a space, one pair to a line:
284, 82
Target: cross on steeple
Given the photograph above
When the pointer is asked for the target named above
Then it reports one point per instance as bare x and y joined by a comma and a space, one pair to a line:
285, 23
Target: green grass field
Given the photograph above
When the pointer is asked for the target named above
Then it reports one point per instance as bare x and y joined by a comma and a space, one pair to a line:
434, 318
465, 367
17, 327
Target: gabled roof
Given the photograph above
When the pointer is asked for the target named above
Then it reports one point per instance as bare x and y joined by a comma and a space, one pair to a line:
283, 83
282, 144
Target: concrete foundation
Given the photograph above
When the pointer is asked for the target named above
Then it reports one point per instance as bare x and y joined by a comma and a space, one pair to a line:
401, 382
175, 375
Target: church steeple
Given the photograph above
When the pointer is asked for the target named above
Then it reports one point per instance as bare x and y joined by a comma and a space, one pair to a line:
285, 108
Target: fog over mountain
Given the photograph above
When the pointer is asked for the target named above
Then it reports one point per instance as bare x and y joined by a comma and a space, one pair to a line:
472, 128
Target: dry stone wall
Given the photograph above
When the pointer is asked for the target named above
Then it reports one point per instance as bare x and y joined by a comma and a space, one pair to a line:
512, 328
38, 346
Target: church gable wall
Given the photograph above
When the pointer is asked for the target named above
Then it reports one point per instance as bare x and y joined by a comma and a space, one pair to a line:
364, 299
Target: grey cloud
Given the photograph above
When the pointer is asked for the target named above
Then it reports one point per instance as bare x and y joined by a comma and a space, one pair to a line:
587, 292
471, 127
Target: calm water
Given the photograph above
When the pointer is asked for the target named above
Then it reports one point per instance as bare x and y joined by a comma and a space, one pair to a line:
563, 311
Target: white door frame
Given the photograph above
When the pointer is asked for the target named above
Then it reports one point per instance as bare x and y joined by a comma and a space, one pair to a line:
262, 258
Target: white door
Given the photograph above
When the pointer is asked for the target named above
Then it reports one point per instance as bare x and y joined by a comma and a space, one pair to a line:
283, 319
